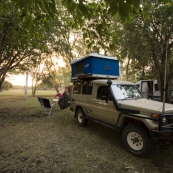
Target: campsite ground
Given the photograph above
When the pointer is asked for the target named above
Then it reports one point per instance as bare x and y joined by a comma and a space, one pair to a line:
30, 142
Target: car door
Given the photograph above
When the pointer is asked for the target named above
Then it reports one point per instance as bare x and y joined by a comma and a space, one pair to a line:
86, 99
103, 110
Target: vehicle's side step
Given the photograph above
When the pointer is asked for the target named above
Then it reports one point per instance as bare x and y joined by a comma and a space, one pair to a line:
99, 122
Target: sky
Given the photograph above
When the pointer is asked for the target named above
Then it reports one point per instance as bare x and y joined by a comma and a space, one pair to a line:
21, 79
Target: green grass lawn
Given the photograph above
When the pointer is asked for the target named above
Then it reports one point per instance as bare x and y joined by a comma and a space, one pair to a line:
32, 143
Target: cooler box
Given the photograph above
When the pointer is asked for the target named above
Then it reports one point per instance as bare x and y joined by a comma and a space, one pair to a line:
95, 65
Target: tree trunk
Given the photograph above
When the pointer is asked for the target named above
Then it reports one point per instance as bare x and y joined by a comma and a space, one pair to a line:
1, 82
127, 69
34, 88
168, 93
167, 88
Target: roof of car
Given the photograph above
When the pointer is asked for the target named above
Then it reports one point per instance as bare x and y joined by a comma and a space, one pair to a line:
104, 81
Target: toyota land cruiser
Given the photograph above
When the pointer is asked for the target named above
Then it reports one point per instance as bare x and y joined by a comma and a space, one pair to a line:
120, 104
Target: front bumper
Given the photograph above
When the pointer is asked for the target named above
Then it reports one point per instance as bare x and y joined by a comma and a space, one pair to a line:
165, 130
164, 134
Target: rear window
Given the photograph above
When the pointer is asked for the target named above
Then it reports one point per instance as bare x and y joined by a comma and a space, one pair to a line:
87, 88
77, 87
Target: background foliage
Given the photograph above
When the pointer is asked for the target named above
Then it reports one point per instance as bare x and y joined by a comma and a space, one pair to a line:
137, 32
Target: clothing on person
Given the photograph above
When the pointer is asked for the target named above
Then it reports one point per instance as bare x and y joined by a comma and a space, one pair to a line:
65, 99
59, 95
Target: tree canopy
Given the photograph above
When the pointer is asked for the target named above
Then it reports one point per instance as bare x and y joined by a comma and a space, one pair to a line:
83, 9
145, 43
23, 33
135, 31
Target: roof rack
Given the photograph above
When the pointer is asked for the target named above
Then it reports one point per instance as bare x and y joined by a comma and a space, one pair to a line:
92, 77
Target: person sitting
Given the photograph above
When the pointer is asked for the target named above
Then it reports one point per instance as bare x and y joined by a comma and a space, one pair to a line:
58, 95
64, 101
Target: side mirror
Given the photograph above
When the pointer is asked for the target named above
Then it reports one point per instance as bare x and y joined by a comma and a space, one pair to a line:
104, 98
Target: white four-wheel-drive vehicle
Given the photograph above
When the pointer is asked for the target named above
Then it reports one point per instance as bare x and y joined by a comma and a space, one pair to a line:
150, 89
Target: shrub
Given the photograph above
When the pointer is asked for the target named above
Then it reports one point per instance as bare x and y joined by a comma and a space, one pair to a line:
6, 85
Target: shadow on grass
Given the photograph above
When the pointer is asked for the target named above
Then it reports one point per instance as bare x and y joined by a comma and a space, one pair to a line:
31, 142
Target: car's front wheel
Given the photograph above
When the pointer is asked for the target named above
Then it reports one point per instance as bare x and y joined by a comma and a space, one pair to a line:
82, 121
136, 140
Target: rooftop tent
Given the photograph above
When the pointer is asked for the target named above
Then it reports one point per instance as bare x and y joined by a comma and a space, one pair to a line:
95, 65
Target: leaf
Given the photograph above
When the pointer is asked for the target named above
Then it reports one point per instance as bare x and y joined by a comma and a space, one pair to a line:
40, 5
45, 6
113, 9
93, 5
72, 7
79, 14
146, 15
52, 7
122, 13
53, 2
136, 3
164, 1
83, 9
51, 14
98, 28
24, 13
38, 16
131, 1
84, 35
100, 43
87, 41
124, 10
46, 24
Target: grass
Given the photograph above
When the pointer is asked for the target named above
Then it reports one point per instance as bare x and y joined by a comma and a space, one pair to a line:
33, 143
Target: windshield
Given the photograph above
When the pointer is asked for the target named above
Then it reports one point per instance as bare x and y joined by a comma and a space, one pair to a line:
122, 92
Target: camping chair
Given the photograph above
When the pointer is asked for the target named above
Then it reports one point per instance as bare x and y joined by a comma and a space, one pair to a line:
47, 107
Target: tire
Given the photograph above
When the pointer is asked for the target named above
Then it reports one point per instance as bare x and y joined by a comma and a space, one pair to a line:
136, 140
82, 121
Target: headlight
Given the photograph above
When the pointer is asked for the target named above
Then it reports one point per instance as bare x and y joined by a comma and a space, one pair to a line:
164, 119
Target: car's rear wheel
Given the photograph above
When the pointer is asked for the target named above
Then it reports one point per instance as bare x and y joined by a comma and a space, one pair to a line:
136, 140
82, 121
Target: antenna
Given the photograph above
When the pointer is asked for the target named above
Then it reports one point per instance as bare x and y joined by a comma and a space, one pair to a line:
164, 90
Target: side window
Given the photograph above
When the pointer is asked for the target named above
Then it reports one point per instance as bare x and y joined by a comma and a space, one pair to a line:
102, 93
156, 87
87, 89
77, 88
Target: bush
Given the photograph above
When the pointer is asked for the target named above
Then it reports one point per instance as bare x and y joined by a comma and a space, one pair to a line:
6, 85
